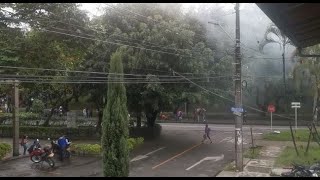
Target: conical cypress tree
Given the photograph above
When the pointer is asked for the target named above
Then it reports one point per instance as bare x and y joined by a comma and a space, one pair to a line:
115, 123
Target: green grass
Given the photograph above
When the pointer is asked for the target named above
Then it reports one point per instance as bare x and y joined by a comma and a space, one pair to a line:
289, 156
300, 135
252, 153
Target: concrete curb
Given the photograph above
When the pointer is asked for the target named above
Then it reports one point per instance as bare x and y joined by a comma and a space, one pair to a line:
13, 158
278, 171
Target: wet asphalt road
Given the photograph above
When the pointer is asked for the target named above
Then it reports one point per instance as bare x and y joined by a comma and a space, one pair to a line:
178, 152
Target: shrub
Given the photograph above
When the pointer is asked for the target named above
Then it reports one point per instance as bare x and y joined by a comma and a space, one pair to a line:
95, 149
134, 142
4, 149
52, 132
88, 149
22, 116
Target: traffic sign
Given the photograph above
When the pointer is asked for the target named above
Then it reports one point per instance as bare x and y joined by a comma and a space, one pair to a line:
295, 105
271, 108
237, 109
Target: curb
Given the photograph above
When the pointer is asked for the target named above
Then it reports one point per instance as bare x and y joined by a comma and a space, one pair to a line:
13, 158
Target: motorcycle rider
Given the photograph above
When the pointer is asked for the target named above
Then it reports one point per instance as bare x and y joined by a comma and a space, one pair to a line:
36, 144
63, 145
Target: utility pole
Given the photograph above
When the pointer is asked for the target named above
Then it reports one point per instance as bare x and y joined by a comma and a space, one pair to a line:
16, 119
238, 95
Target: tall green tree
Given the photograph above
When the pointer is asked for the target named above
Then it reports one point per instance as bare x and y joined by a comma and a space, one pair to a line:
115, 123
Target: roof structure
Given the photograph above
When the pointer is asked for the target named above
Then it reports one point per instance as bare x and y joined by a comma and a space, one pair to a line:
300, 22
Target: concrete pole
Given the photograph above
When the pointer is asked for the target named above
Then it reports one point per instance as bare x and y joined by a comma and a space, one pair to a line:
271, 121
296, 118
238, 95
16, 120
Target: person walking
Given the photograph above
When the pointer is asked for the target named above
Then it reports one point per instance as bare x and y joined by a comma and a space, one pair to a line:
23, 143
206, 134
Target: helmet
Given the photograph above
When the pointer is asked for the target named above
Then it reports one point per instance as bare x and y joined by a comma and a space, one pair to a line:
36, 141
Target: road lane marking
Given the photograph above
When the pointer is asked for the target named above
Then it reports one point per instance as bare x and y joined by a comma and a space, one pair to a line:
154, 151
225, 139
154, 167
139, 157
215, 158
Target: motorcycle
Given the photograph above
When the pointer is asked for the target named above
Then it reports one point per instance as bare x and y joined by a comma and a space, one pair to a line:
42, 155
302, 171
56, 149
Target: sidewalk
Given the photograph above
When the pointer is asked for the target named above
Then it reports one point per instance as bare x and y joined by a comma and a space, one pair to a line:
9, 156
264, 165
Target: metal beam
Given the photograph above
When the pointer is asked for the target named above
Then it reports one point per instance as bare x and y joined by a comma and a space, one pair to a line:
266, 8
303, 23
308, 30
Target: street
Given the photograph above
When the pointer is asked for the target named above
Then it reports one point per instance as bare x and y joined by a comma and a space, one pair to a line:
178, 152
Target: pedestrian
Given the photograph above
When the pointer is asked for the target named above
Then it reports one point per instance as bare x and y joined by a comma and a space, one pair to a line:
203, 114
175, 111
198, 111
244, 116
179, 115
23, 143
6, 108
206, 134
84, 111
60, 111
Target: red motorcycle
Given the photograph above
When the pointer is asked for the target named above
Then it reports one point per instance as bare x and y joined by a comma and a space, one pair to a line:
42, 155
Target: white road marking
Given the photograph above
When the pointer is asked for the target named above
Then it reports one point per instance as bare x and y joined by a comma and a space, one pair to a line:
225, 139
139, 157
215, 158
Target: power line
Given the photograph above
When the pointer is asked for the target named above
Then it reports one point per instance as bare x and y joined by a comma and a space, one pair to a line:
101, 73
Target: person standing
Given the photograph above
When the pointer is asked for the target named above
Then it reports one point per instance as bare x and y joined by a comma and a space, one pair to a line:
203, 114
206, 134
198, 111
63, 143
84, 111
23, 143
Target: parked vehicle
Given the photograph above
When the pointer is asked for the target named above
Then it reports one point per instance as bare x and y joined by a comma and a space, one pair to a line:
42, 155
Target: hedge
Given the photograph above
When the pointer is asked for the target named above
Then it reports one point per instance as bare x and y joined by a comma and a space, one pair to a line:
50, 132
95, 149
4, 149
84, 132
22, 116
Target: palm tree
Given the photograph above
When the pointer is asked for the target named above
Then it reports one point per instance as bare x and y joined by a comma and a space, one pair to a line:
282, 40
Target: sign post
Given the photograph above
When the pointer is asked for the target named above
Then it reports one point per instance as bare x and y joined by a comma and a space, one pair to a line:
295, 105
271, 109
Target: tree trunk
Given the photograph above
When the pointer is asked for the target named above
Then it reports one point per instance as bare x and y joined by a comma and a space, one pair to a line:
100, 115
138, 119
151, 118
46, 123
315, 108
